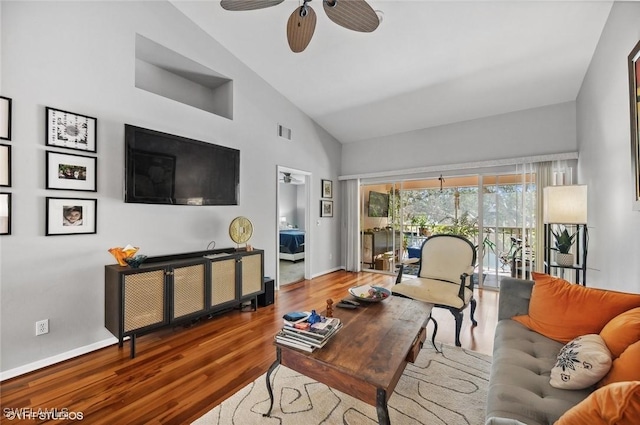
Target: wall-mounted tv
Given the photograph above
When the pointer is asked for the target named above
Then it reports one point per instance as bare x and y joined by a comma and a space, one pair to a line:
378, 204
162, 168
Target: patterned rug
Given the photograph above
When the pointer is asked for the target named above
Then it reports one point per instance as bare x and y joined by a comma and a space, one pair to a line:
448, 388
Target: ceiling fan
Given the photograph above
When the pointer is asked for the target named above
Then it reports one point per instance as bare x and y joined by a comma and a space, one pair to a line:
288, 178
355, 15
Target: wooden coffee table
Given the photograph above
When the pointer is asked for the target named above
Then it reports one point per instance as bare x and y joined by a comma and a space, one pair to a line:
367, 357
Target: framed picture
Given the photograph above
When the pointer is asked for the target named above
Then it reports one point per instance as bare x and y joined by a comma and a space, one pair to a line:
634, 97
5, 165
5, 118
71, 216
71, 172
327, 189
326, 208
5, 213
70, 130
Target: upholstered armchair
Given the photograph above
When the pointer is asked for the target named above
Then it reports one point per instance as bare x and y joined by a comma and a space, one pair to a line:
445, 277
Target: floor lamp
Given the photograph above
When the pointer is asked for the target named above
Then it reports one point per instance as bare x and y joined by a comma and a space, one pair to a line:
567, 205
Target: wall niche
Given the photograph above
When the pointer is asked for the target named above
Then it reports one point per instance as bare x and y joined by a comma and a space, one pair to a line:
169, 74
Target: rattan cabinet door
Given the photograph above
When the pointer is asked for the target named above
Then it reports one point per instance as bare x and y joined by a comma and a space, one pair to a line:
251, 274
223, 282
144, 295
188, 290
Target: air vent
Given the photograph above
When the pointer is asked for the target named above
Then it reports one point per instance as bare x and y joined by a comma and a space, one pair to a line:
284, 132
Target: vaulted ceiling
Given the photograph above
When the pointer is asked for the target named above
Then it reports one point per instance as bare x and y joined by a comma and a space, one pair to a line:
429, 63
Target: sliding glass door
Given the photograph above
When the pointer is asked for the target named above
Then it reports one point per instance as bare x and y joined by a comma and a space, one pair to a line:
508, 226
397, 217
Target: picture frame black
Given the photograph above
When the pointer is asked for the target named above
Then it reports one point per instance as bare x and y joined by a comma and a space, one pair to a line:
326, 208
634, 103
70, 130
327, 188
5, 213
5, 118
66, 171
5, 165
71, 216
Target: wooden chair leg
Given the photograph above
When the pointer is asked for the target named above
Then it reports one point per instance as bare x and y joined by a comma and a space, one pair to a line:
457, 314
435, 331
400, 271
473, 310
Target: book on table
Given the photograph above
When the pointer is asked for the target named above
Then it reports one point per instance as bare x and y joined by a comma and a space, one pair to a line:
306, 336
291, 319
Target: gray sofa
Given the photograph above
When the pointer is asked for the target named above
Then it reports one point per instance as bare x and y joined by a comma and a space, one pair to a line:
519, 390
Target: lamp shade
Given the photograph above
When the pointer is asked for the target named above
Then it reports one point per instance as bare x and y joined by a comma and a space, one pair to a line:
565, 204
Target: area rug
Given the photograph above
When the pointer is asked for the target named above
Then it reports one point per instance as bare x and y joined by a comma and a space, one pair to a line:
447, 388
291, 272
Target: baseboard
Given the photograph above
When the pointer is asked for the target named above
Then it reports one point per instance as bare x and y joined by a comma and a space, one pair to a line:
313, 276
12, 373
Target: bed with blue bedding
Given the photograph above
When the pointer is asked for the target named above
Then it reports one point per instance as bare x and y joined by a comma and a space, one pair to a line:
291, 245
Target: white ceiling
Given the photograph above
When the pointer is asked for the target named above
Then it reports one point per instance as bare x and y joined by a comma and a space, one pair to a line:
429, 62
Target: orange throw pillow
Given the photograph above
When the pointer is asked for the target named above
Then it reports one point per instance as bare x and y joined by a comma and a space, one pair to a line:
624, 368
622, 331
562, 311
614, 404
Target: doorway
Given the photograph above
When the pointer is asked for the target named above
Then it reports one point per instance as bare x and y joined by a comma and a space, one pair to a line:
293, 225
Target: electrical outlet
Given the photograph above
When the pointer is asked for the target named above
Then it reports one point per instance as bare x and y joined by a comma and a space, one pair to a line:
330, 256
42, 327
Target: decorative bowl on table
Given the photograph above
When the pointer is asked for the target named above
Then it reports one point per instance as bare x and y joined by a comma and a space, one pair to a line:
368, 293
135, 262
121, 254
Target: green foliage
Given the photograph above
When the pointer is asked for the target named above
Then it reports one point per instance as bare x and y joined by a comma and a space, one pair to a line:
465, 225
563, 240
420, 221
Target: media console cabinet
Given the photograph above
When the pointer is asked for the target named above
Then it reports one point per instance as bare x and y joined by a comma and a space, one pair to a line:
174, 289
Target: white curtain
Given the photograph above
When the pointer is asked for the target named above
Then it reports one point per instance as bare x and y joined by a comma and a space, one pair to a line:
544, 177
351, 225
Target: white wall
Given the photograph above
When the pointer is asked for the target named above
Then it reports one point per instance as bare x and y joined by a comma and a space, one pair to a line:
301, 207
605, 155
80, 57
293, 204
546, 130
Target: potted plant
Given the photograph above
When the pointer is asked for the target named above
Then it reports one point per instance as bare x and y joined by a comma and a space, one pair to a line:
563, 243
421, 223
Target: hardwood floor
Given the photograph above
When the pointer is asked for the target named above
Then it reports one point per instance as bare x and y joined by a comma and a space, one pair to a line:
179, 374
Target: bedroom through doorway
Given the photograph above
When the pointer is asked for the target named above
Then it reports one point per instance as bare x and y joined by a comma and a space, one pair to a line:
292, 225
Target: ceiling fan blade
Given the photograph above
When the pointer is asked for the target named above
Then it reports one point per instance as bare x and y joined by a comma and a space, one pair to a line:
300, 28
235, 5
355, 15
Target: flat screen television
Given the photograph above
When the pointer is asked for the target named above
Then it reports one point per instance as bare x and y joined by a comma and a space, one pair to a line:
162, 168
378, 204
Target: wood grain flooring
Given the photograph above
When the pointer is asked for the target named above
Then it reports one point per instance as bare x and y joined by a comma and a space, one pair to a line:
179, 374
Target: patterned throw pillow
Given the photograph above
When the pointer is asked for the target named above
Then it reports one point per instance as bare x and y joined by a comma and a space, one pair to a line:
581, 363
